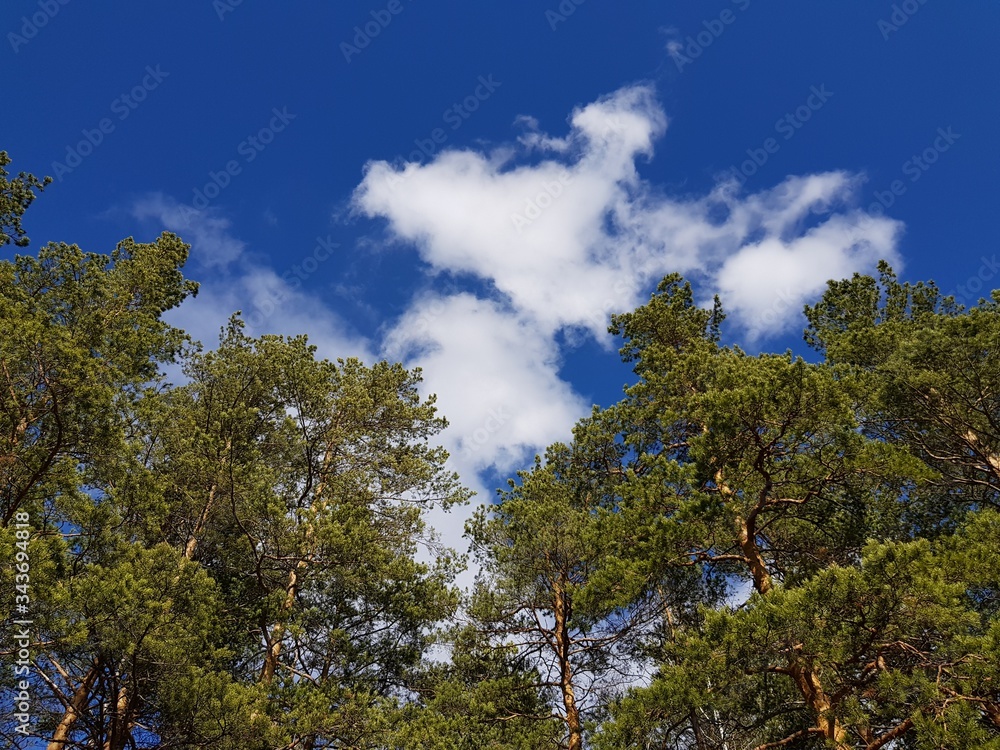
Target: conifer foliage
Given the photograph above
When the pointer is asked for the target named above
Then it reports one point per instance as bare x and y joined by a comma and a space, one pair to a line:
747, 552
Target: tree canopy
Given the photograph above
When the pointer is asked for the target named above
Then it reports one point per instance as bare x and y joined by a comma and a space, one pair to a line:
747, 552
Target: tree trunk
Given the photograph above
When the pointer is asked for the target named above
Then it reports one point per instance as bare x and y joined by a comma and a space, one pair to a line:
992, 460
278, 631
993, 713
121, 721
60, 737
805, 678
699, 739
199, 526
562, 609
816, 698
747, 537
292, 587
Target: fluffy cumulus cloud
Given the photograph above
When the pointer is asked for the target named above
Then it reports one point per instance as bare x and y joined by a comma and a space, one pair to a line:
563, 230
575, 233
503, 397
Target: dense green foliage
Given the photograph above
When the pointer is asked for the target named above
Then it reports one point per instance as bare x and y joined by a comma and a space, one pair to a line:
746, 552
15, 197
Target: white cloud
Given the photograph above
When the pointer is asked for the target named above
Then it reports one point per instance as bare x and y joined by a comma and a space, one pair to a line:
566, 231
568, 237
766, 284
270, 303
495, 375
206, 231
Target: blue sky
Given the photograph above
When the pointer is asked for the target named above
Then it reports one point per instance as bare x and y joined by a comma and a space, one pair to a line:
472, 187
